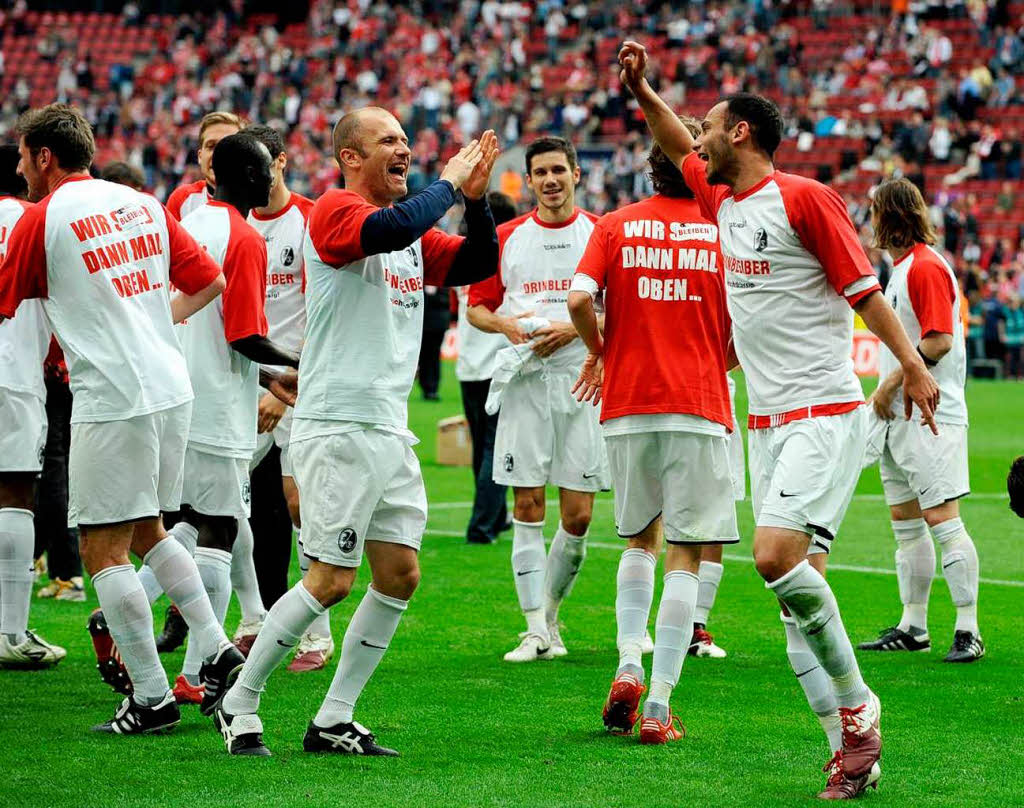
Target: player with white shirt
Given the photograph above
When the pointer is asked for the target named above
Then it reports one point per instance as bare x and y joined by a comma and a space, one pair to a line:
794, 270
213, 127
24, 342
101, 256
666, 423
543, 434
924, 475
367, 261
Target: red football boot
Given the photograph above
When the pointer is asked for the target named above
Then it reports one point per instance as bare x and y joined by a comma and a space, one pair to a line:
862, 739
622, 708
185, 693
108, 660
652, 731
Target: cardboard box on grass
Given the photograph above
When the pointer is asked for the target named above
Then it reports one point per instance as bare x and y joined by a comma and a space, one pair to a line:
454, 444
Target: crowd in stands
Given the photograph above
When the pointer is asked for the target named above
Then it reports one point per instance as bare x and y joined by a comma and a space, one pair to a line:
928, 89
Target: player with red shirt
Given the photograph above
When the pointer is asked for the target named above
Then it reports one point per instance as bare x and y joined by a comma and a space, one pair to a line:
794, 269
101, 256
924, 475
367, 261
213, 127
666, 423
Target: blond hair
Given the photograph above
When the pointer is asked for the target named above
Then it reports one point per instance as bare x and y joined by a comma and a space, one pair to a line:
900, 217
217, 117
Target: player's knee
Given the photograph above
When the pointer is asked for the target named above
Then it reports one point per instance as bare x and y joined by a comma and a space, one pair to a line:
529, 509
99, 555
577, 520
771, 565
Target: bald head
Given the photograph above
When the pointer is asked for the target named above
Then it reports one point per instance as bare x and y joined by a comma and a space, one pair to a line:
372, 151
350, 131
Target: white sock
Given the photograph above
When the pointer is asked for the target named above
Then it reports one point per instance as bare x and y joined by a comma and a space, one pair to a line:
710, 575
366, 640
150, 585
178, 574
565, 558
130, 621
215, 572
243, 574
960, 567
673, 630
529, 562
321, 627
17, 544
284, 625
817, 685
186, 535
810, 601
915, 569
634, 591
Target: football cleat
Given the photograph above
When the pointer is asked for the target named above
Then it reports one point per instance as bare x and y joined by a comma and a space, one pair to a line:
346, 738
622, 707
214, 675
134, 719
967, 647
557, 648
647, 644
839, 786
896, 639
52, 589
245, 635
108, 660
862, 738
186, 693
74, 592
243, 734
174, 633
531, 648
653, 731
703, 645
32, 653
312, 653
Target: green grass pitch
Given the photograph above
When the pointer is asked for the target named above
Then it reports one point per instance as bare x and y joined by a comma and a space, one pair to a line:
474, 731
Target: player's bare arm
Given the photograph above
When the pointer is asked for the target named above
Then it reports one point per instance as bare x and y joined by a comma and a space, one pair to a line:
271, 411
184, 306
919, 386
673, 137
584, 318
283, 384
486, 320
934, 346
552, 338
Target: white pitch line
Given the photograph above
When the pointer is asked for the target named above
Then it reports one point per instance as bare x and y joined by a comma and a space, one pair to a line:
600, 545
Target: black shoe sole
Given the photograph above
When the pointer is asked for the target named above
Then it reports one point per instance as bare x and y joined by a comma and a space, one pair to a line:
163, 729
28, 666
617, 720
232, 677
254, 751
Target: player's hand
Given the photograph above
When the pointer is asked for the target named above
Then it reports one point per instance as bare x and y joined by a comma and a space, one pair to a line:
633, 60
881, 400
589, 385
476, 186
286, 387
271, 410
511, 329
548, 340
920, 388
460, 168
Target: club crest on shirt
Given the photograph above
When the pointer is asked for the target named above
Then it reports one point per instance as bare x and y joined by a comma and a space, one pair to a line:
287, 256
347, 540
760, 239
509, 463
246, 492
413, 256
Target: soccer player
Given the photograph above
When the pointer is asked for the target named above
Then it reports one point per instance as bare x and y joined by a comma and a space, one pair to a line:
101, 256
665, 422
924, 475
224, 346
543, 435
1015, 486
367, 261
794, 269
24, 342
214, 127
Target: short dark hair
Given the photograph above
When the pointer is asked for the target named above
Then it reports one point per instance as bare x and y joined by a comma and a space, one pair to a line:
502, 207
763, 116
11, 182
664, 174
233, 155
550, 143
1015, 486
124, 174
269, 137
63, 130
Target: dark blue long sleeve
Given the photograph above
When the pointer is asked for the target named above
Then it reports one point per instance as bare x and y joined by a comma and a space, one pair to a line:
398, 226
477, 258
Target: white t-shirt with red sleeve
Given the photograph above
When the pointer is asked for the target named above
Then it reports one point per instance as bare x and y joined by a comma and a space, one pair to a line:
186, 198
924, 293
101, 256
666, 324
364, 317
536, 263
225, 382
794, 267
25, 340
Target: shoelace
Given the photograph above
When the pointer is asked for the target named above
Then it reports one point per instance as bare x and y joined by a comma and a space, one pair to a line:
855, 721
886, 631
962, 641
834, 769
702, 635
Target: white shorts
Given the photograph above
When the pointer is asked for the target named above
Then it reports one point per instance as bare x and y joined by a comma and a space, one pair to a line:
919, 465
22, 431
538, 442
684, 477
737, 464
123, 471
803, 474
216, 485
356, 487
281, 435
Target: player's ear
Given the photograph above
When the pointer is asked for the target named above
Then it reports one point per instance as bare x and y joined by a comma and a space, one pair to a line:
740, 132
576, 174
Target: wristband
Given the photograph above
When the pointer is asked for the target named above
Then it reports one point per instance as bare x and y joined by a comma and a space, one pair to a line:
929, 362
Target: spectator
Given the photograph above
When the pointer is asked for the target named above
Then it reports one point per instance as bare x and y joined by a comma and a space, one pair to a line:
993, 324
1014, 338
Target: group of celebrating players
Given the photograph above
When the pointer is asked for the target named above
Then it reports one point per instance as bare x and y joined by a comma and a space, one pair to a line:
616, 335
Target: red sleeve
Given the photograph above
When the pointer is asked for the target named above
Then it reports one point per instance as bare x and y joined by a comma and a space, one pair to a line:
192, 269
490, 293
23, 271
176, 199
709, 197
439, 251
245, 267
932, 296
335, 226
822, 223
596, 256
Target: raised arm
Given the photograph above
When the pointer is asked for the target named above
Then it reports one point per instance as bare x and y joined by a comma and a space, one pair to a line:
184, 306
673, 137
